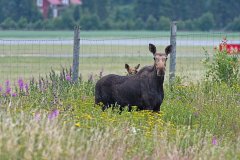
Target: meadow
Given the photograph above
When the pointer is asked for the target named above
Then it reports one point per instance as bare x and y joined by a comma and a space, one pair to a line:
52, 118
43, 115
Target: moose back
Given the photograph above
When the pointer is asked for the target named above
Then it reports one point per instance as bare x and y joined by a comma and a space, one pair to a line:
144, 89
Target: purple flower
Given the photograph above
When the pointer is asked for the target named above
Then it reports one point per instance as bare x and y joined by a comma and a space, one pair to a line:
37, 116
7, 83
26, 87
8, 90
0, 88
20, 84
14, 94
53, 114
214, 141
68, 77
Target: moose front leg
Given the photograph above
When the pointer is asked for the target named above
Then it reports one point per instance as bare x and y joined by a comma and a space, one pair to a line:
156, 108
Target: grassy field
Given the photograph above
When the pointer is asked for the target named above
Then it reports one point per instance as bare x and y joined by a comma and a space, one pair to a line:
39, 51
54, 119
13, 68
49, 117
27, 60
110, 34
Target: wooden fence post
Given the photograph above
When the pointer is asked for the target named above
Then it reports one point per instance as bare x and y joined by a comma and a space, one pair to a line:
173, 54
76, 47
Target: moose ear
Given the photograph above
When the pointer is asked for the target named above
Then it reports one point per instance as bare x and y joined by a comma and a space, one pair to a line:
168, 49
152, 48
137, 66
126, 66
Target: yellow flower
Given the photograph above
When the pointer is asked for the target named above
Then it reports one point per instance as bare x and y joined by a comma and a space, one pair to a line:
77, 125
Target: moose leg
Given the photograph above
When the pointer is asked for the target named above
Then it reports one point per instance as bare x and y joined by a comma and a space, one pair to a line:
156, 108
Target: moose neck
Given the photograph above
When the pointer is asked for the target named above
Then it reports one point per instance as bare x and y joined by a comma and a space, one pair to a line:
158, 80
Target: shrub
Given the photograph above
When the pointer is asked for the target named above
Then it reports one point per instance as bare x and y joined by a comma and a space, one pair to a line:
8, 24
223, 67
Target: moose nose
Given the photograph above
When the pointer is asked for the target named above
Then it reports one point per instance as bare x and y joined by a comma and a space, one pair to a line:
161, 72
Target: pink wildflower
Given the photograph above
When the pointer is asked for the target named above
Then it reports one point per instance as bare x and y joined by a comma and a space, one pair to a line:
53, 114
68, 77
214, 141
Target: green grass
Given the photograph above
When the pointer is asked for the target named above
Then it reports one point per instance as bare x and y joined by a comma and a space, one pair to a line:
13, 68
192, 117
27, 60
110, 34
33, 60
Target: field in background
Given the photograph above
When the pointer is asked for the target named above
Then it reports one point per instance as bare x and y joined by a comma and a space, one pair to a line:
33, 53
110, 34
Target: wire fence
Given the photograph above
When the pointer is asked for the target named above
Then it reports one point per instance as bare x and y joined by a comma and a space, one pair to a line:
33, 58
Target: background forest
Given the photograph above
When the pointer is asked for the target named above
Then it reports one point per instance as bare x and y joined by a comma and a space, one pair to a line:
200, 15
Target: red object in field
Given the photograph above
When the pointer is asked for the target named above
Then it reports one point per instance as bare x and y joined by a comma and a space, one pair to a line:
230, 48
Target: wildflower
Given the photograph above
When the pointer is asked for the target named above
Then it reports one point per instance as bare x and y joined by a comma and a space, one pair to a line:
68, 77
77, 124
0, 88
134, 131
214, 141
8, 88
53, 114
14, 94
37, 116
26, 87
7, 83
20, 84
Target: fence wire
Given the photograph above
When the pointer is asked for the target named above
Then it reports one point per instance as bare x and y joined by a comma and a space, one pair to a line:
33, 58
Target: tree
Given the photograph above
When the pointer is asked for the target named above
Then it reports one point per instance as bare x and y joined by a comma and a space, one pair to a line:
163, 23
206, 22
235, 25
15, 9
76, 13
151, 23
8, 24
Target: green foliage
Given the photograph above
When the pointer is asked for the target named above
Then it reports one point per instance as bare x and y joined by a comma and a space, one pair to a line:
8, 24
223, 67
234, 25
206, 22
204, 15
151, 23
164, 23
197, 120
22, 23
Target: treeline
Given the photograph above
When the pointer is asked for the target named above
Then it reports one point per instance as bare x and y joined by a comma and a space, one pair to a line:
202, 15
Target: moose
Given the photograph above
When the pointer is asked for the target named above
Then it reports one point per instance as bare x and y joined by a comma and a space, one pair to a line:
144, 89
132, 70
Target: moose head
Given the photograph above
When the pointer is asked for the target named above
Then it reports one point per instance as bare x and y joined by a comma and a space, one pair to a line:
160, 59
132, 70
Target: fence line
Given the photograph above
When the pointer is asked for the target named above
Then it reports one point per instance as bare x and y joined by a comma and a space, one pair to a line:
27, 58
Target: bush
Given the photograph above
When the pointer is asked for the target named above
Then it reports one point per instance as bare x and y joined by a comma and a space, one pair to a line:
151, 23
206, 22
22, 23
235, 25
223, 67
8, 24
164, 23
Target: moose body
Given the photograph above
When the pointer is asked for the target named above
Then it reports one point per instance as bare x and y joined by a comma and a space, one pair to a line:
144, 89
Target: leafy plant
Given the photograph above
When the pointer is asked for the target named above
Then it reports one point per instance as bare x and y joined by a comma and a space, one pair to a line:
223, 67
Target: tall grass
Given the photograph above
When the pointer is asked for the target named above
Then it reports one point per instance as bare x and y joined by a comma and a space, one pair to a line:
53, 118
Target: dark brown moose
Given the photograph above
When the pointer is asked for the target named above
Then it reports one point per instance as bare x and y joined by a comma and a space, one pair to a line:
144, 89
132, 70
